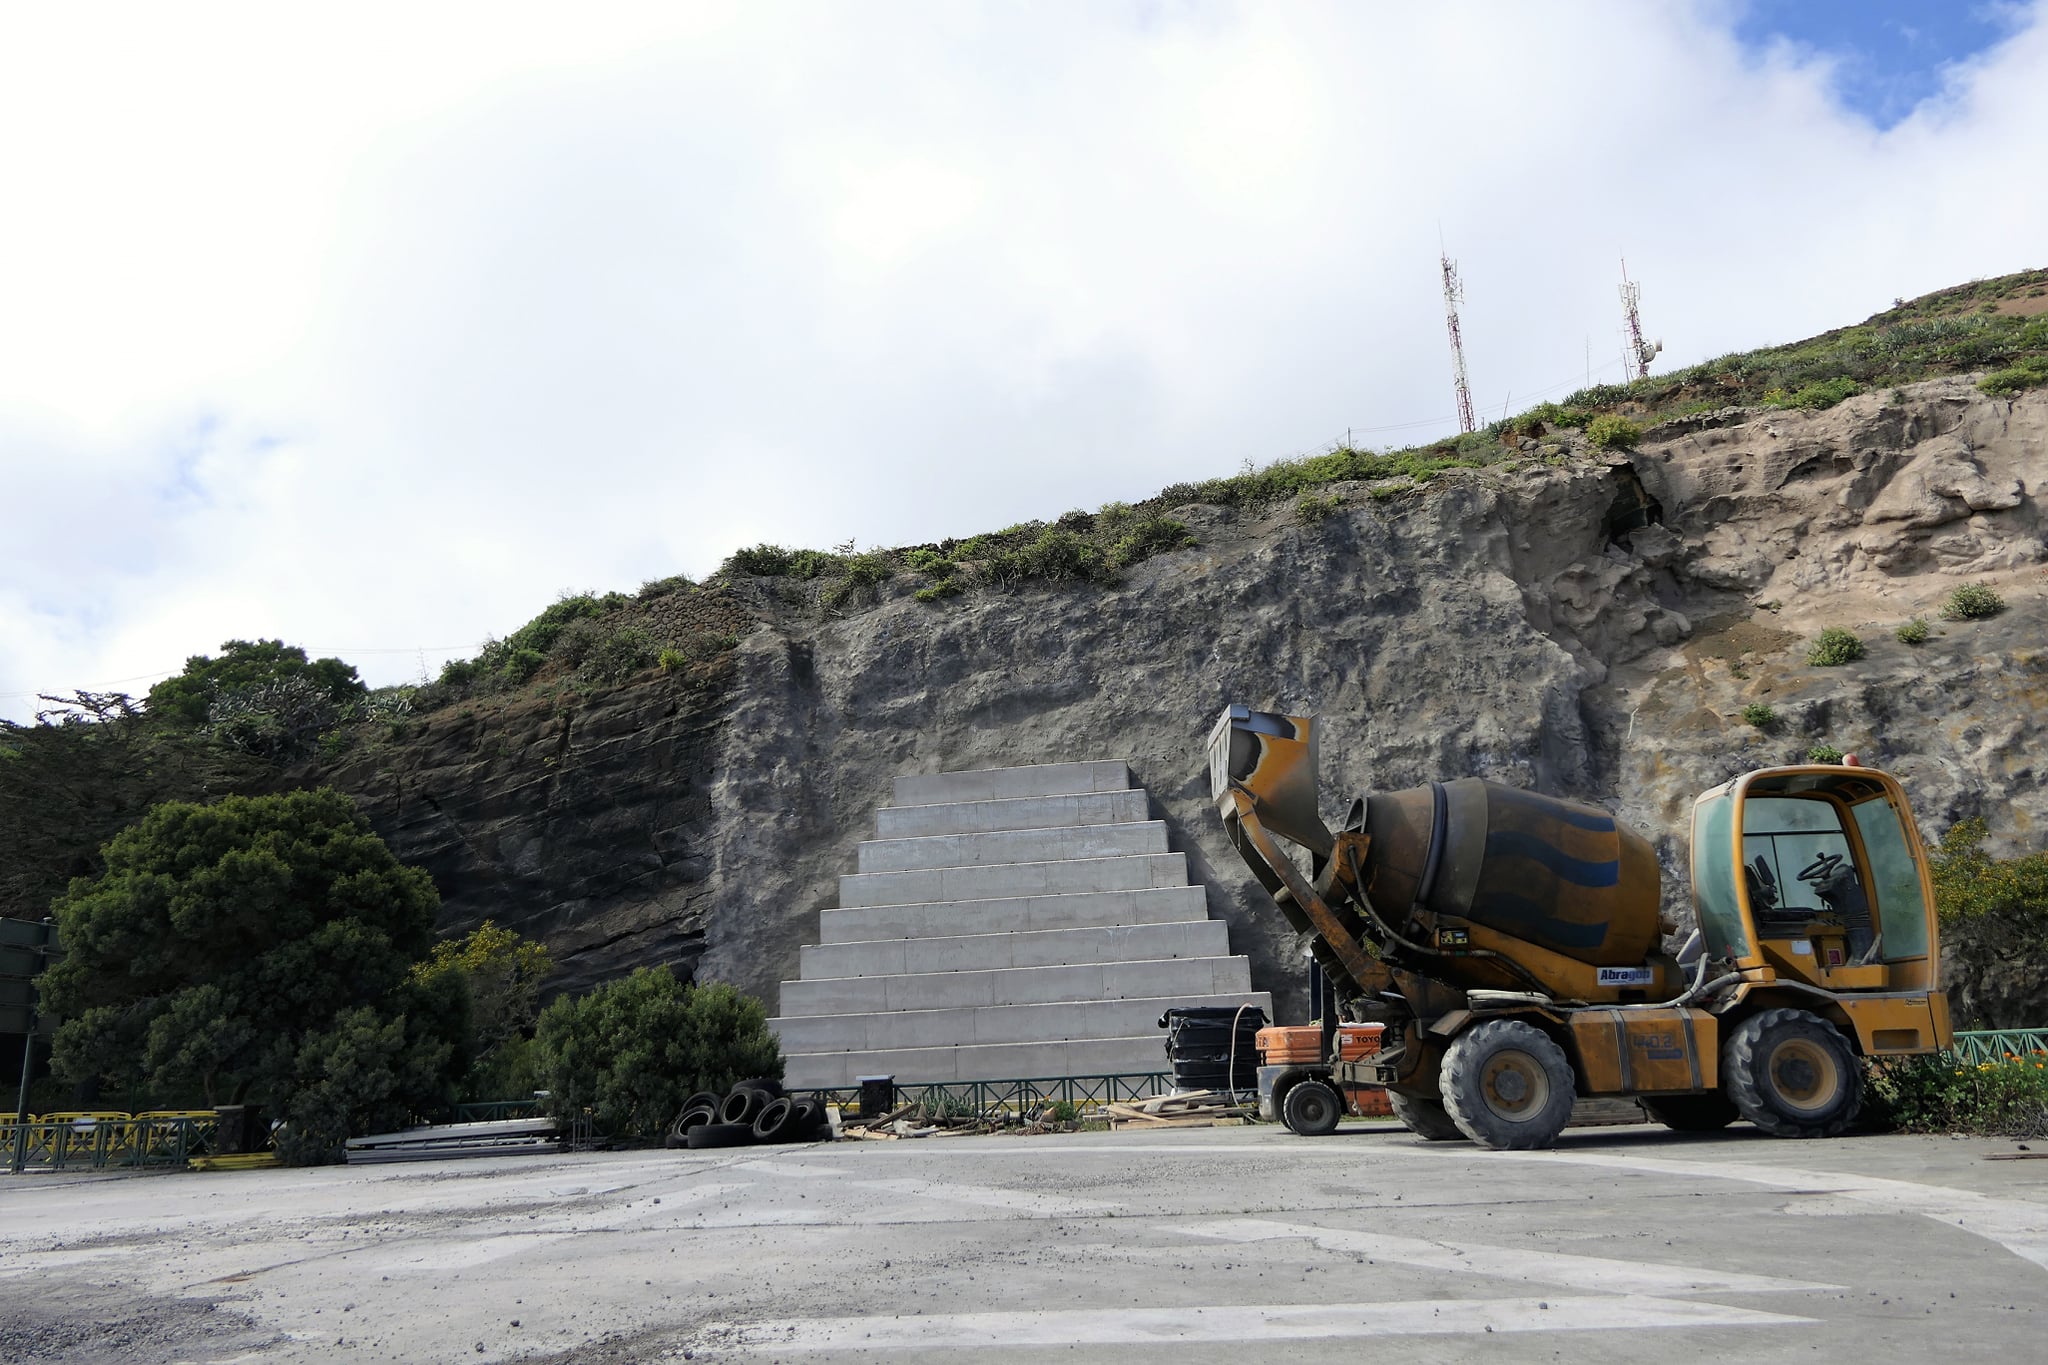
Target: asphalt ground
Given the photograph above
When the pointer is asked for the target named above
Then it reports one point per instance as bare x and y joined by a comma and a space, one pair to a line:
1622, 1244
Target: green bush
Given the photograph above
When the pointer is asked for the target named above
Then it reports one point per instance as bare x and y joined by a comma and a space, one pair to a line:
1914, 632
1154, 535
1818, 397
1759, 715
521, 664
664, 587
762, 561
617, 656
2031, 372
1835, 646
1939, 1094
939, 591
1971, 602
856, 577
1823, 753
633, 1050
1312, 509
926, 560
1612, 431
1056, 556
670, 659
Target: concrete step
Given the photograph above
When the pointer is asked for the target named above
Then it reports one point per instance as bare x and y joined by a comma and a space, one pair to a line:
1011, 846
1187, 937
1003, 880
1012, 914
1138, 1054
1147, 980
994, 784
1052, 1022
1016, 812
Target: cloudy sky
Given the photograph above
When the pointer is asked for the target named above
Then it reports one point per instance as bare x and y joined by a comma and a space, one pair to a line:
377, 332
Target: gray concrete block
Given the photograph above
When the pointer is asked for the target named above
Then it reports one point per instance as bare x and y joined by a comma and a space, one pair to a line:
1084, 981
1024, 948
1064, 1021
1010, 914
1140, 1054
1043, 779
1020, 812
1012, 846
997, 881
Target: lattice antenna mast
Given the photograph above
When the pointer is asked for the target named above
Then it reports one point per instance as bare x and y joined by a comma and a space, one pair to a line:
1454, 294
1640, 352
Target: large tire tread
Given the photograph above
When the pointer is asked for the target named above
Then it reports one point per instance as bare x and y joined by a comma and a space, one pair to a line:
1463, 1082
1745, 1061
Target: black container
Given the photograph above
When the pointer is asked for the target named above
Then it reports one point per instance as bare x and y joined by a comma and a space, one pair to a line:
877, 1096
1199, 1043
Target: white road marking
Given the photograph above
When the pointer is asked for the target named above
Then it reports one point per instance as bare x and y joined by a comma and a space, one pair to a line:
1251, 1322
1538, 1267
991, 1197
2019, 1225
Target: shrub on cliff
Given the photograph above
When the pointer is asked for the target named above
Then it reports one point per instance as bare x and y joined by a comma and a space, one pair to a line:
2031, 372
1972, 602
1612, 431
1834, 646
1759, 715
633, 1050
1913, 632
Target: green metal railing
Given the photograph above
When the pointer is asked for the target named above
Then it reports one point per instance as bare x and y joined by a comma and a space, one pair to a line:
1994, 1045
993, 1099
100, 1143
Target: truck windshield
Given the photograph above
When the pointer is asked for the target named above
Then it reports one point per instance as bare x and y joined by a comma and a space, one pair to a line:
1782, 837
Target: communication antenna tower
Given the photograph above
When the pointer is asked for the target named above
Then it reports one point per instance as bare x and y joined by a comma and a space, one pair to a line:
1640, 352
1454, 294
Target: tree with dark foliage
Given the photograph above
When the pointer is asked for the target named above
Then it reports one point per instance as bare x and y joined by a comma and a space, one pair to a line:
259, 949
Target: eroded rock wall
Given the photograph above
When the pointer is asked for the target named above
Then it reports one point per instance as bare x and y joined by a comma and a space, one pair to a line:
1582, 624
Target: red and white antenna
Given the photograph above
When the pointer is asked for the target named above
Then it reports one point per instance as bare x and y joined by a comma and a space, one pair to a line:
1640, 352
1454, 294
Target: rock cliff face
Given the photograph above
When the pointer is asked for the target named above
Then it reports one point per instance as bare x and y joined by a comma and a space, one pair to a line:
1583, 624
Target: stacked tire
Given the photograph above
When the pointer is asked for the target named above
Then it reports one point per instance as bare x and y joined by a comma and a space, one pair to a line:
752, 1111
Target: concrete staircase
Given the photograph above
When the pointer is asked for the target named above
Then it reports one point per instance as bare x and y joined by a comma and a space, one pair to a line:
1017, 923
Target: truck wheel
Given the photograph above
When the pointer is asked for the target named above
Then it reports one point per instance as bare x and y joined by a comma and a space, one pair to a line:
1792, 1074
1693, 1113
1424, 1118
1311, 1109
1507, 1085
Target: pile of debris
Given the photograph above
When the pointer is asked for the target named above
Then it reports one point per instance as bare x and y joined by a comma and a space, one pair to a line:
1192, 1109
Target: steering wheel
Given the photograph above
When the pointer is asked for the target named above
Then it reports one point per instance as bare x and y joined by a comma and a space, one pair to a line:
1821, 868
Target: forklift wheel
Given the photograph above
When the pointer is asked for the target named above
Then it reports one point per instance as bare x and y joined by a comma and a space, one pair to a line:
1792, 1074
1311, 1109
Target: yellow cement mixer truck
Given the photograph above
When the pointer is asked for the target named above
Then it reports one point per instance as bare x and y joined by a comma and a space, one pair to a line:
1511, 943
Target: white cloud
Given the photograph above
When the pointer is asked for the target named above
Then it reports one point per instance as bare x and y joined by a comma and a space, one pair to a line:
377, 333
